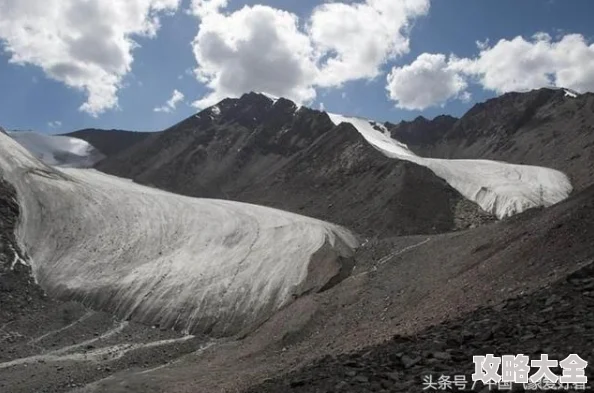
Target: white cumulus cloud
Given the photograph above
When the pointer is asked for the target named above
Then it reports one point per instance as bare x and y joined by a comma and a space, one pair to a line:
426, 82
257, 48
260, 48
354, 40
204, 7
171, 104
518, 64
87, 44
523, 64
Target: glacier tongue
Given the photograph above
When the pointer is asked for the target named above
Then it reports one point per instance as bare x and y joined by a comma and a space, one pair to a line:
198, 265
499, 188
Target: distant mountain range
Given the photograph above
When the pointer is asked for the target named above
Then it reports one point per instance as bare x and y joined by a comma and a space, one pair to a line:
267, 150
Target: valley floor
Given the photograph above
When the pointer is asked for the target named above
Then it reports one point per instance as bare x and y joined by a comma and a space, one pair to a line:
60, 347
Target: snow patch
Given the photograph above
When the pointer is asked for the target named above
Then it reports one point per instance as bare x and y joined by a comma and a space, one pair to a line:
571, 93
17, 260
499, 188
58, 150
215, 110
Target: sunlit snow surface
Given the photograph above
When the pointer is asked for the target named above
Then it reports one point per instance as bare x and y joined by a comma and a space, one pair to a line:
58, 150
194, 264
497, 187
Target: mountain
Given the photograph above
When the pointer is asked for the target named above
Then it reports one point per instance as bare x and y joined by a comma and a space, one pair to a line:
57, 150
232, 296
269, 151
546, 127
421, 131
110, 142
499, 188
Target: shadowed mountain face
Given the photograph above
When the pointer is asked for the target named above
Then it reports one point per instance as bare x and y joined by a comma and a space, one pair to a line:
110, 142
421, 131
542, 127
270, 152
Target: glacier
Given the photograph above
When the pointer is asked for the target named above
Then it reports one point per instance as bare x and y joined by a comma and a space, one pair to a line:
196, 265
58, 150
499, 188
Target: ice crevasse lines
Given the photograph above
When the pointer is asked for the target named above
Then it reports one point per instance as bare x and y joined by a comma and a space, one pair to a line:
197, 265
499, 188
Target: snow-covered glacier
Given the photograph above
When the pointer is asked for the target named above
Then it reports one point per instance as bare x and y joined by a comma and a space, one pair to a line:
499, 188
58, 150
198, 265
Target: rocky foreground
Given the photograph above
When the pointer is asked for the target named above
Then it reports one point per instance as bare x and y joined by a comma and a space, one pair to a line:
557, 320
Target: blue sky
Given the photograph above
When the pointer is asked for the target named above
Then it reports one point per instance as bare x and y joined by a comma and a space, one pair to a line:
31, 99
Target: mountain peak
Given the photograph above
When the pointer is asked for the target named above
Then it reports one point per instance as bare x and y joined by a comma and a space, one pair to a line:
255, 98
271, 97
421, 130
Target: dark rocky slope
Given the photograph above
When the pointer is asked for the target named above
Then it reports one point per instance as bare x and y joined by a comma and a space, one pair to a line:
542, 127
341, 178
256, 150
212, 153
557, 320
18, 292
421, 131
110, 142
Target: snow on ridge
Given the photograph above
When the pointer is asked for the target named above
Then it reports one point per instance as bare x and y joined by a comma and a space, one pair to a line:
58, 150
273, 98
571, 93
161, 258
499, 188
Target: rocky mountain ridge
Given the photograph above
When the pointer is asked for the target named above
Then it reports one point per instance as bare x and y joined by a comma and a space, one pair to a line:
271, 152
